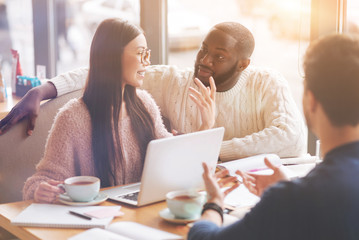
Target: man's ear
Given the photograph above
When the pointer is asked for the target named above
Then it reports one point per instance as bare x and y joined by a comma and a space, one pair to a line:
312, 101
243, 64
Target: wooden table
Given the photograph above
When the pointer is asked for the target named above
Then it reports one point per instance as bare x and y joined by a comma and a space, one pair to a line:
147, 215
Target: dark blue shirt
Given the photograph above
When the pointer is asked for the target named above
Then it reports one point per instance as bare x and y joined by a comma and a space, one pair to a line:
322, 205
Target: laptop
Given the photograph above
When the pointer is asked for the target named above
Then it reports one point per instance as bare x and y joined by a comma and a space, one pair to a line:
172, 163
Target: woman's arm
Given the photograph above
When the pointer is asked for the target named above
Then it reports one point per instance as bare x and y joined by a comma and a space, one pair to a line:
58, 162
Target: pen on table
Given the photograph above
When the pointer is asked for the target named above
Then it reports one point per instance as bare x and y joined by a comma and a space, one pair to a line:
228, 209
258, 169
80, 215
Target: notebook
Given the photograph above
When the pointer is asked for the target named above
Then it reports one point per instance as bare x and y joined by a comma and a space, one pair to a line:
125, 231
172, 163
58, 216
253, 163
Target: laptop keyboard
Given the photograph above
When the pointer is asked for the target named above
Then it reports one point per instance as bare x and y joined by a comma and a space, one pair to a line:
131, 196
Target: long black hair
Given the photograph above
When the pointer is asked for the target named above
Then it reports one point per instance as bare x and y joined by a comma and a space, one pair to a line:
103, 98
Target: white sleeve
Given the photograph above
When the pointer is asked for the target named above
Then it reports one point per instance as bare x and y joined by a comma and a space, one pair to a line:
284, 133
70, 81
157, 82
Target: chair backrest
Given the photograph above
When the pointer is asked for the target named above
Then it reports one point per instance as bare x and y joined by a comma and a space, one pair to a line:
20, 153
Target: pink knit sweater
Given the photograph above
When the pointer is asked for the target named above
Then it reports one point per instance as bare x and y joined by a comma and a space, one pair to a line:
68, 150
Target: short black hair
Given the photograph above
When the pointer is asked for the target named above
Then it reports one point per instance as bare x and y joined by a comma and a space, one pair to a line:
331, 67
245, 40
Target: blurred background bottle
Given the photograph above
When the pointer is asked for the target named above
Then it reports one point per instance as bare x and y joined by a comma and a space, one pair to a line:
2, 88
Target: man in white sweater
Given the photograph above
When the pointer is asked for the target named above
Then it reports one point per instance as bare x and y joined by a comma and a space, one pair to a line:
254, 105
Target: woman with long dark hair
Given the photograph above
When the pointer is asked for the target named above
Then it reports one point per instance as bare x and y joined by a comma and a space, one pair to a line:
106, 132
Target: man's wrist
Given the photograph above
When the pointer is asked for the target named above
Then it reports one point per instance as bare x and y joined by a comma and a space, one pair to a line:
215, 207
35, 93
44, 91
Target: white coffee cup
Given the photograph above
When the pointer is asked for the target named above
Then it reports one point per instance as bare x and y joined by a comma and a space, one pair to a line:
185, 204
81, 188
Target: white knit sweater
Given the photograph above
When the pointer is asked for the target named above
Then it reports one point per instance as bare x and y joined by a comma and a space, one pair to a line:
258, 113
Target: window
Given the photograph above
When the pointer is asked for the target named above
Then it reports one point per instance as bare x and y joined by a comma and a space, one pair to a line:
77, 22
16, 32
352, 16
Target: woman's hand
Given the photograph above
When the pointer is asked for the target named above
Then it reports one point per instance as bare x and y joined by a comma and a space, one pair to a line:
257, 184
205, 99
47, 192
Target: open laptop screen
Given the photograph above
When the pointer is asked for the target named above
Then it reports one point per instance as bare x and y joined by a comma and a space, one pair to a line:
174, 163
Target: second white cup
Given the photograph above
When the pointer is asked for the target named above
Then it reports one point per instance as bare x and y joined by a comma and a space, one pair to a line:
185, 204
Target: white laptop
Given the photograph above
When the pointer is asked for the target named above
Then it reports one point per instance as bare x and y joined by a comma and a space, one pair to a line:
172, 163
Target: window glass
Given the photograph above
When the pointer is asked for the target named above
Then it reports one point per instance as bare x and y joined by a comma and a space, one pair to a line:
77, 21
280, 27
16, 32
352, 16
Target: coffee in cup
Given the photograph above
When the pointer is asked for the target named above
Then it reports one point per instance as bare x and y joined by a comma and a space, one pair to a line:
185, 204
81, 188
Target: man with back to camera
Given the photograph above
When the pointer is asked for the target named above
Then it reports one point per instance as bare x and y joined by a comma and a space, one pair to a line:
254, 105
323, 204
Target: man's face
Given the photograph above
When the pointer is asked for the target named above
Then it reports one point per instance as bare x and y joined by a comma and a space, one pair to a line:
218, 58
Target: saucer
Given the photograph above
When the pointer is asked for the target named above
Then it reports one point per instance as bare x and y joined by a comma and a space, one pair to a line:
64, 198
168, 216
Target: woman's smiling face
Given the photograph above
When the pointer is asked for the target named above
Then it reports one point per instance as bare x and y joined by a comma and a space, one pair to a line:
133, 62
